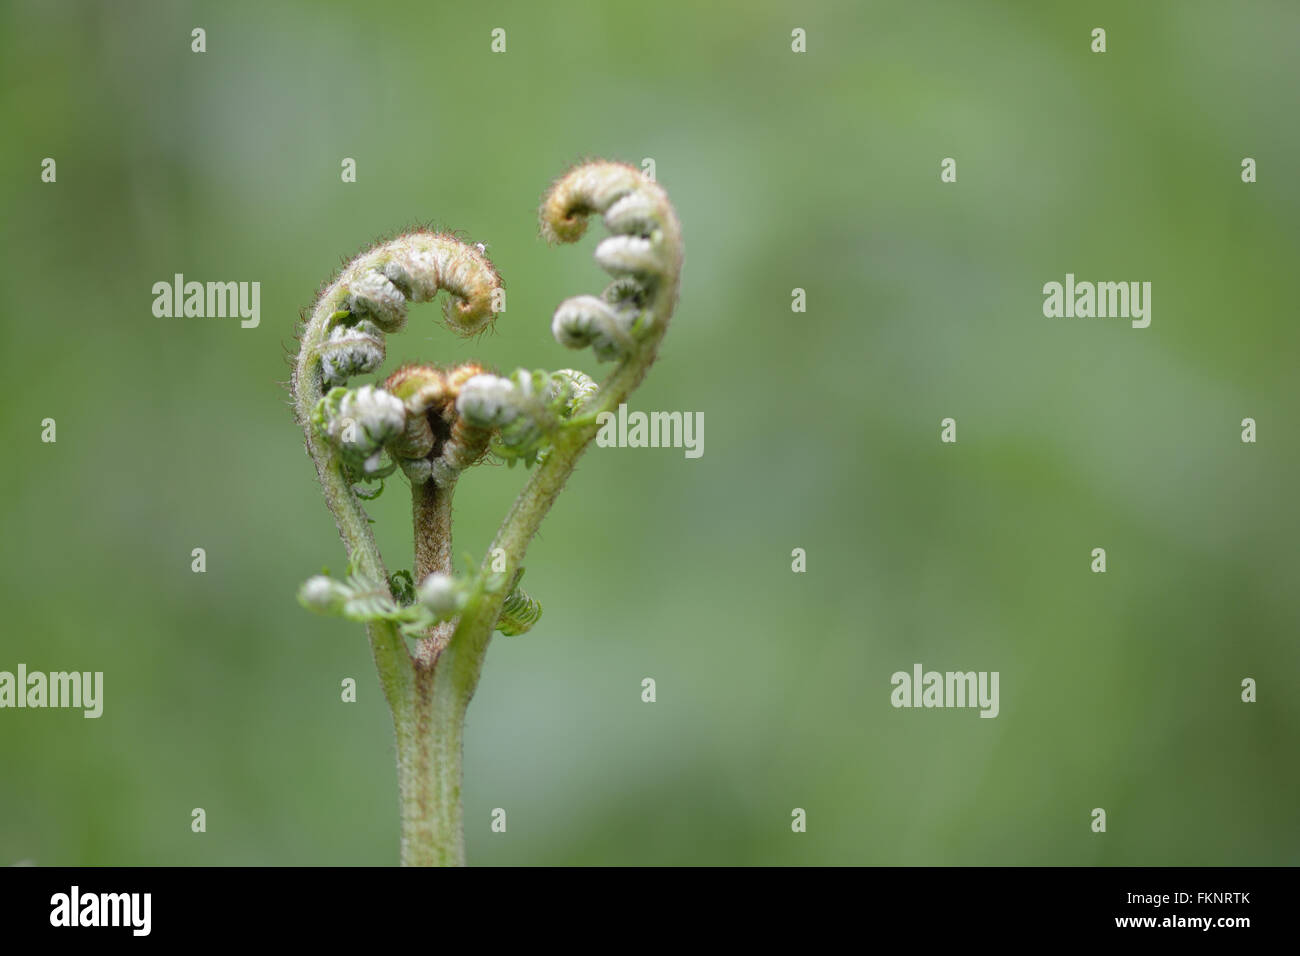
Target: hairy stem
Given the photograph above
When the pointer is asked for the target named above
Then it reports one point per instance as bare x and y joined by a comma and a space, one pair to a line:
392, 660
430, 735
430, 726
431, 514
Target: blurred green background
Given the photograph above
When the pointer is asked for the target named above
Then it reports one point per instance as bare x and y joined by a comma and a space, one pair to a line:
818, 171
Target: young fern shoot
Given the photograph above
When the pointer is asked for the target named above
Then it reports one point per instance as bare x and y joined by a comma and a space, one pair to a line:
433, 422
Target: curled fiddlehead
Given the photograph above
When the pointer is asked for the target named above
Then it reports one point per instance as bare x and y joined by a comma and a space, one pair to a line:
433, 422
551, 420
525, 410
344, 337
643, 254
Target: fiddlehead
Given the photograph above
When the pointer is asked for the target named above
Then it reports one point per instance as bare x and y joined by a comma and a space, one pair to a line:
526, 410
437, 443
433, 422
643, 254
519, 613
344, 336
626, 324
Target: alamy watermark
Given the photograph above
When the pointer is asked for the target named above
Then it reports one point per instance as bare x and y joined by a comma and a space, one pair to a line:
950, 689
74, 689
211, 300
75, 908
652, 430
1101, 300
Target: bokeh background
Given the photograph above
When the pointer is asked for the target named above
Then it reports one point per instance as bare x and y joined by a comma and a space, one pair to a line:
818, 171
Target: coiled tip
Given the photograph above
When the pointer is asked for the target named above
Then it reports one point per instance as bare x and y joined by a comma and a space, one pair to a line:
587, 188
